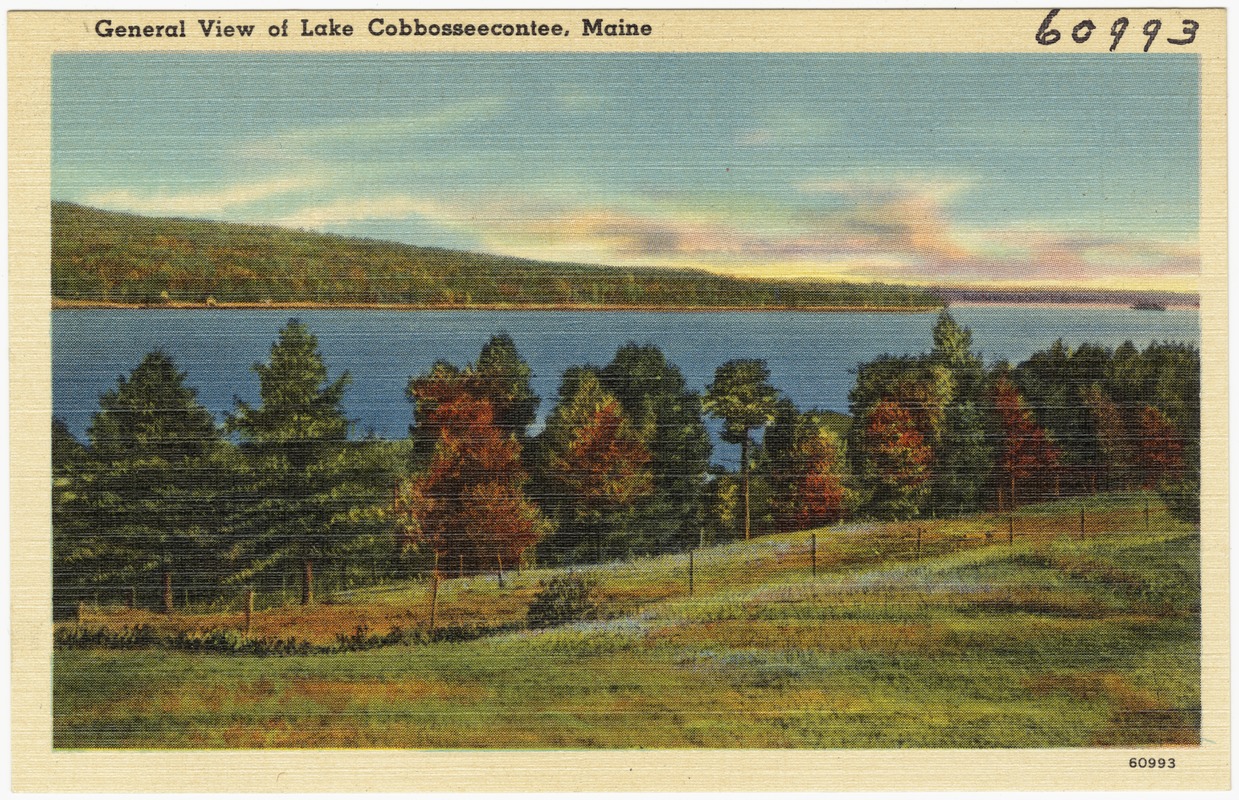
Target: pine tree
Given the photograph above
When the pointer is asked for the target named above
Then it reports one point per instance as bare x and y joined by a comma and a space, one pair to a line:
156, 479
295, 441
742, 397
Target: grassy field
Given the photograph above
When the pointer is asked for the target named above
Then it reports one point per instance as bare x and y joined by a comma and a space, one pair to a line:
1056, 640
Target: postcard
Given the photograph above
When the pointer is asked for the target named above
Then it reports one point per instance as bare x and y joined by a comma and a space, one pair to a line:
444, 400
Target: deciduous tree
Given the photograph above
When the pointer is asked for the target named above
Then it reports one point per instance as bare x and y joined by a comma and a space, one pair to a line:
897, 461
1025, 452
1160, 450
595, 459
654, 395
469, 506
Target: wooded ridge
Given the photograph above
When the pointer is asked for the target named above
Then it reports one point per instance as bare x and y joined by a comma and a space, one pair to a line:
107, 258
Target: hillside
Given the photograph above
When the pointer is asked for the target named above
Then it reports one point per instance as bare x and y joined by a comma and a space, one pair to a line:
107, 258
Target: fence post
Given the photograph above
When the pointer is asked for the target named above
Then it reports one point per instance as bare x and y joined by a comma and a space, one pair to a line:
813, 552
434, 595
690, 573
1010, 529
131, 598
499, 558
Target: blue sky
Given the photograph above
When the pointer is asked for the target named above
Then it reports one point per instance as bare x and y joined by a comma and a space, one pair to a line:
930, 168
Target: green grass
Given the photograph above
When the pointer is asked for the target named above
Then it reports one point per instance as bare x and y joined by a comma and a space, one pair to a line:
1054, 641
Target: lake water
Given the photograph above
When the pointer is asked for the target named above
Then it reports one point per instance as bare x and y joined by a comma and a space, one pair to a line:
812, 357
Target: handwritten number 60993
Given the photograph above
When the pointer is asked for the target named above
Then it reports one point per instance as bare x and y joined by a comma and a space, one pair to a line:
1083, 31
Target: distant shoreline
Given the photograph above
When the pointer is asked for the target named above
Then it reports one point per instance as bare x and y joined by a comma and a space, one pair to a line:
58, 303
1065, 304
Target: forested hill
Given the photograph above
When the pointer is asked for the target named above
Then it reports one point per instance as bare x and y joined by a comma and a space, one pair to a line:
104, 257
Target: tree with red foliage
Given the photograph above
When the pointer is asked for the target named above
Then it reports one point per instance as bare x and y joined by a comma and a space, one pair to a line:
897, 461
596, 458
818, 491
806, 464
469, 505
1025, 451
1161, 449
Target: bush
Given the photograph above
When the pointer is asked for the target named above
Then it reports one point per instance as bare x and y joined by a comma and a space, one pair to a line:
567, 598
1182, 499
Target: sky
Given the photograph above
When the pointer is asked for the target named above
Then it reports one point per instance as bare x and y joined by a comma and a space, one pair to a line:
973, 169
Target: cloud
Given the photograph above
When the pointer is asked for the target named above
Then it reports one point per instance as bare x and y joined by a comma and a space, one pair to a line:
878, 188
865, 230
362, 133
343, 211
208, 202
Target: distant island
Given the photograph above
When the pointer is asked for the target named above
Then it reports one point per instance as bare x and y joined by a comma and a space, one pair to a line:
109, 259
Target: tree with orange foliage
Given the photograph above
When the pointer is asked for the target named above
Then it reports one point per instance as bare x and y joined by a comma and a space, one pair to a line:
817, 493
806, 464
596, 460
469, 506
1161, 449
896, 462
1025, 451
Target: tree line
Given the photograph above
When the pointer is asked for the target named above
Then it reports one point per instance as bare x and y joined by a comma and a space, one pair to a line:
164, 499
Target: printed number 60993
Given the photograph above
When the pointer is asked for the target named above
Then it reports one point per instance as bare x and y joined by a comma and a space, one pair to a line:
1151, 763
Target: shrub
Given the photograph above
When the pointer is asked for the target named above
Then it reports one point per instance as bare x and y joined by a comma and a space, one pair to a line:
1182, 500
567, 598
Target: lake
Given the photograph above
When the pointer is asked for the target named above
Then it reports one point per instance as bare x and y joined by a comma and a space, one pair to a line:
812, 356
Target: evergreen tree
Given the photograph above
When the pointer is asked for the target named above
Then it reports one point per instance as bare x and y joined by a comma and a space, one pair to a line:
965, 460
76, 558
295, 442
953, 350
502, 377
156, 480
962, 459
742, 397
